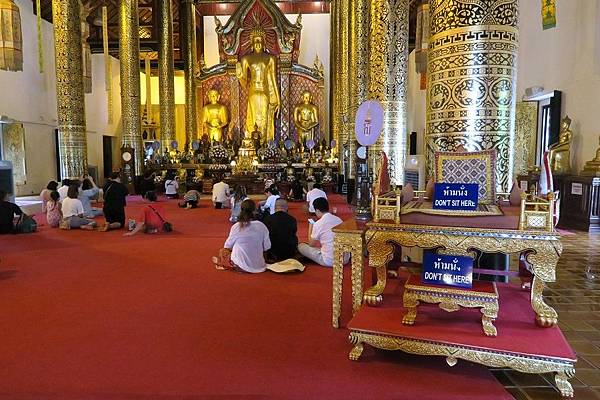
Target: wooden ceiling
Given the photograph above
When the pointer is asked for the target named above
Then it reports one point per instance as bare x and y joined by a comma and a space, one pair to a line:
148, 10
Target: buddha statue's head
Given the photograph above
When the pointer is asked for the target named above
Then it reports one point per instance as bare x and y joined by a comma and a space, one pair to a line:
565, 124
306, 97
257, 38
213, 96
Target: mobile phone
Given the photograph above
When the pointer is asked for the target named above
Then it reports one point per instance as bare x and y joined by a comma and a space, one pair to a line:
311, 221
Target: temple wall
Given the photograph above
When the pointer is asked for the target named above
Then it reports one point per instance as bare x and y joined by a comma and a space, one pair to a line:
315, 40
565, 58
417, 104
30, 98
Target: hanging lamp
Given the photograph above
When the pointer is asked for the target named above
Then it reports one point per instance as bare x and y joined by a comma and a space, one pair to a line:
11, 40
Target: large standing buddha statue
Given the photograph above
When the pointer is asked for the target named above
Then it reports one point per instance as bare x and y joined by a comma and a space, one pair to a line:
258, 72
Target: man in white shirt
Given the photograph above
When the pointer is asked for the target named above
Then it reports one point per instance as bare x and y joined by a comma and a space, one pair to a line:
269, 205
321, 231
220, 194
315, 193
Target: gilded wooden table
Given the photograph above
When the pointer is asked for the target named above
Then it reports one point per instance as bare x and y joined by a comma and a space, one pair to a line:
542, 250
349, 238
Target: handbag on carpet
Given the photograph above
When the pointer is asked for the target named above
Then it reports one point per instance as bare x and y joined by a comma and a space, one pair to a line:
65, 223
26, 224
167, 226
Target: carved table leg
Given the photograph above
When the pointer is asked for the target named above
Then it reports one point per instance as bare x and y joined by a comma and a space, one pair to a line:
358, 348
357, 279
490, 313
379, 255
546, 315
410, 303
338, 276
562, 382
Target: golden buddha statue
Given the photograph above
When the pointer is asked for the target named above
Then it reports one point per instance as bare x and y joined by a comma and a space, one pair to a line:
592, 167
263, 92
215, 116
306, 117
560, 153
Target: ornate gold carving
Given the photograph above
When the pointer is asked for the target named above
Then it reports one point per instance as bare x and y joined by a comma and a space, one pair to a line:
451, 300
13, 150
188, 41
11, 40
352, 243
86, 52
341, 85
525, 136
564, 369
69, 89
388, 78
471, 71
166, 86
543, 250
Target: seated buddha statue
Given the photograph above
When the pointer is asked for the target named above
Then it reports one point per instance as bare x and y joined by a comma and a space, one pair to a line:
560, 152
592, 167
214, 116
306, 117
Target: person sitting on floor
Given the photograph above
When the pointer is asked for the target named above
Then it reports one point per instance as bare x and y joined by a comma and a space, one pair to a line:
321, 231
53, 210
248, 240
239, 195
152, 218
8, 210
72, 210
190, 199
89, 191
64, 189
220, 194
315, 193
45, 194
297, 191
282, 233
171, 187
115, 194
269, 205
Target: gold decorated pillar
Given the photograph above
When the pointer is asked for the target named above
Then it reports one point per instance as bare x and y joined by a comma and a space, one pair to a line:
340, 85
388, 73
334, 51
188, 42
166, 85
472, 70
357, 71
129, 56
86, 52
69, 89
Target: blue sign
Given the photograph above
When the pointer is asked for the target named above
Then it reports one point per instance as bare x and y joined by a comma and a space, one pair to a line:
447, 270
456, 196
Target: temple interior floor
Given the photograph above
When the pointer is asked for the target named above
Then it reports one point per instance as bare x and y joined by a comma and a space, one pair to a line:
80, 302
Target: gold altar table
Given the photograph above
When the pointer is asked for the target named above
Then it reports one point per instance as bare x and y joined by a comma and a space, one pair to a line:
461, 236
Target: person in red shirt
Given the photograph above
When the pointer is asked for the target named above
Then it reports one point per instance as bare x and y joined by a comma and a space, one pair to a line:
151, 218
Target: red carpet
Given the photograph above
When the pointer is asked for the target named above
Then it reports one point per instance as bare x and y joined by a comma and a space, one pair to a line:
91, 315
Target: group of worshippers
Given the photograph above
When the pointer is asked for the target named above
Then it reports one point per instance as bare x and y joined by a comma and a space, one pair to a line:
267, 233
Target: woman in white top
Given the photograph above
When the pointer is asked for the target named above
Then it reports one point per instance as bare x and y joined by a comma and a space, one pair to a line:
171, 187
72, 210
89, 191
248, 240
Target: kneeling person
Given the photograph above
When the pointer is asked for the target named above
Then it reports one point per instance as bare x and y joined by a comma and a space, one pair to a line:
282, 233
321, 231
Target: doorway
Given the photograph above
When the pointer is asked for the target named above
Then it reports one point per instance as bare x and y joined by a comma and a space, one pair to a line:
107, 154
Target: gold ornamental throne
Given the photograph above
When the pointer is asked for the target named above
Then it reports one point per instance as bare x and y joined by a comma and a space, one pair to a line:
259, 77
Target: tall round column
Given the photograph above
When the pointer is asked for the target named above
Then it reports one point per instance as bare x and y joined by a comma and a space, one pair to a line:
188, 41
334, 100
341, 84
388, 74
129, 57
472, 69
70, 99
166, 86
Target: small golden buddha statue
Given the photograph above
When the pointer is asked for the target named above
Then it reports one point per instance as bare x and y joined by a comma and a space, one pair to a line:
215, 116
560, 153
592, 167
257, 71
306, 117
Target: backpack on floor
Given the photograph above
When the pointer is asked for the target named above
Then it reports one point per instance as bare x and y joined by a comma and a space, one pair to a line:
26, 224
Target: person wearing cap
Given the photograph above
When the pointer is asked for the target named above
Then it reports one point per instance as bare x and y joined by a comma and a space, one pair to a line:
282, 233
321, 232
